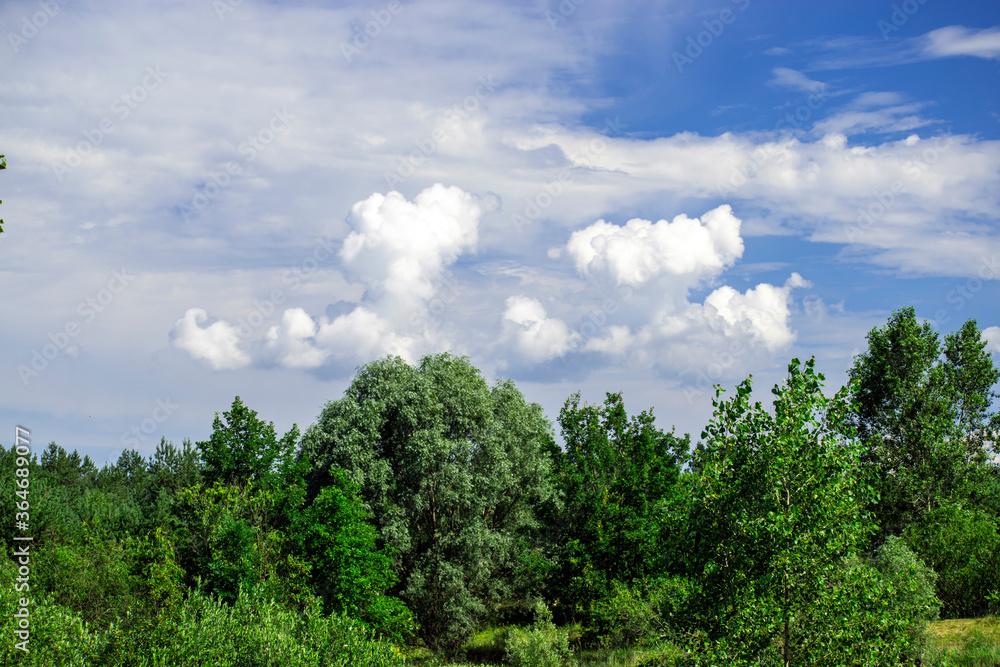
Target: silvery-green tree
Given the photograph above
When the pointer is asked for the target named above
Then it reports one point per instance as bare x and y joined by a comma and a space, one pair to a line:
452, 470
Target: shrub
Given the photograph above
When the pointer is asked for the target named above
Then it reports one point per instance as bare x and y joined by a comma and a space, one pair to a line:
963, 546
913, 583
642, 613
541, 645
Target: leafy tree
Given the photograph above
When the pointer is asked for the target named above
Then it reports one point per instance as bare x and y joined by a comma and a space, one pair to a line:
337, 540
962, 544
452, 471
779, 511
614, 475
244, 449
925, 417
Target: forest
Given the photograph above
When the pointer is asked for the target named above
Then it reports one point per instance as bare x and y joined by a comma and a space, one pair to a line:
429, 517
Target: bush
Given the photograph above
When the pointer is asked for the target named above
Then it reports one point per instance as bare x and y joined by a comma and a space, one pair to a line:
542, 645
253, 632
913, 583
963, 546
640, 614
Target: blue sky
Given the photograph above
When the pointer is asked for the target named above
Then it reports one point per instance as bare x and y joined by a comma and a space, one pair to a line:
209, 199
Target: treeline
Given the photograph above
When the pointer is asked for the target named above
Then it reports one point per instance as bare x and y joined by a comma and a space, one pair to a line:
426, 503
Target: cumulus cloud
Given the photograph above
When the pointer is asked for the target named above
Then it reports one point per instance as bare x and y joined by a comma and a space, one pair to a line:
650, 320
399, 248
760, 313
218, 343
536, 336
992, 337
819, 189
642, 250
399, 251
292, 340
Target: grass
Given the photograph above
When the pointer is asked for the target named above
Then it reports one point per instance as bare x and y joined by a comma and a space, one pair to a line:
964, 642
485, 649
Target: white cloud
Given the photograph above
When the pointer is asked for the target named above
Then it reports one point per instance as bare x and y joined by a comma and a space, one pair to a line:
761, 313
958, 40
992, 337
937, 224
399, 248
363, 335
399, 251
218, 343
873, 112
790, 78
642, 250
292, 343
536, 336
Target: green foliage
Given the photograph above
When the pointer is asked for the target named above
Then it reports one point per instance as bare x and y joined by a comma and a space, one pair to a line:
643, 613
93, 576
231, 566
453, 472
229, 536
349, 571
778, 511
255, 632
962, 545
243, 449
913, 584
614, 474
58, 636
925, 413
541, 645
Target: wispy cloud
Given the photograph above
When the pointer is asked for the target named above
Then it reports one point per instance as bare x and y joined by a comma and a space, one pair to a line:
790, 78
852, 52
961, 41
